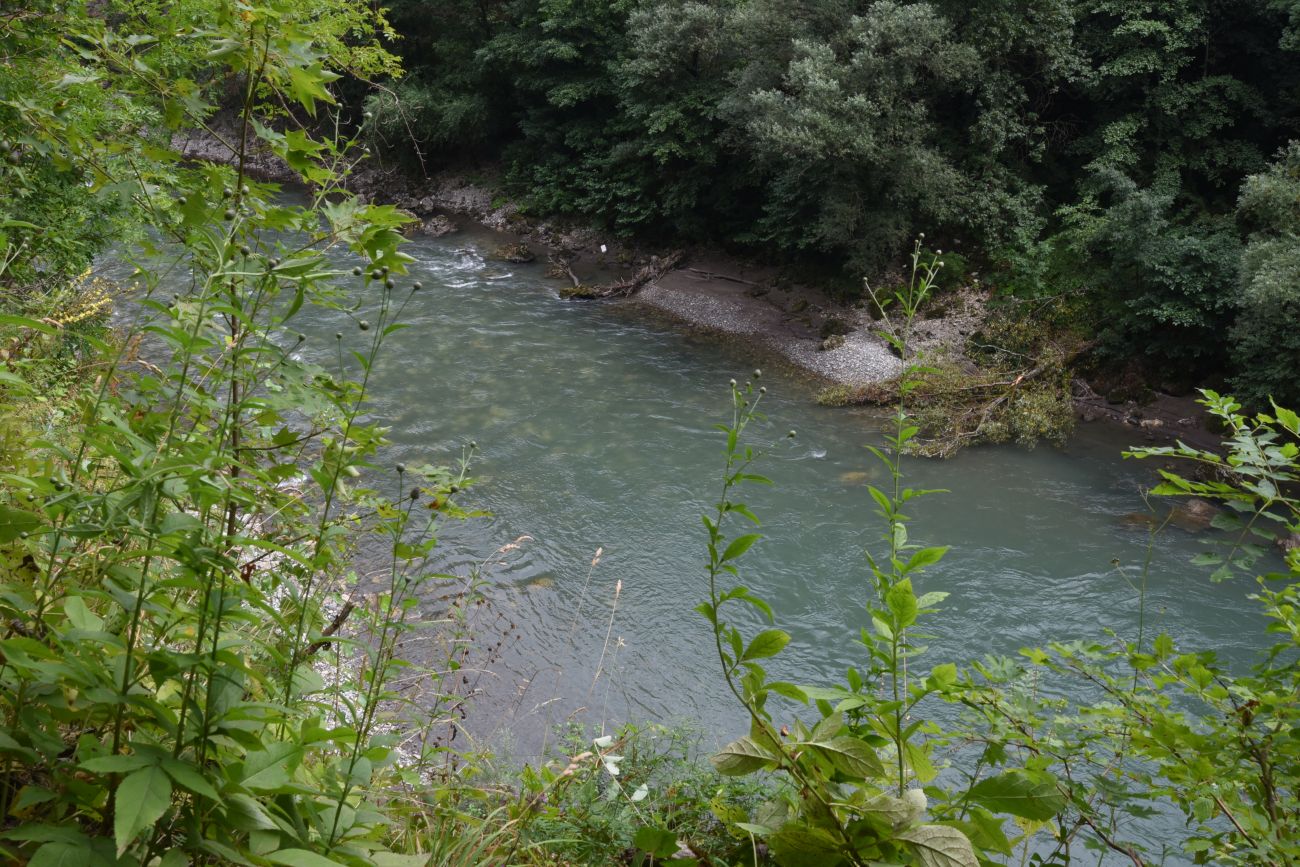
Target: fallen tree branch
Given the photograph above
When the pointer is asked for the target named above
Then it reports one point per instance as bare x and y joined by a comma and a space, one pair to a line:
621, 288
714, 275
330, 631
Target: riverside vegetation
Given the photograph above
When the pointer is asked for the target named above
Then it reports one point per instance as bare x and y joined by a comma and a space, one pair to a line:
1121, 172
194, 671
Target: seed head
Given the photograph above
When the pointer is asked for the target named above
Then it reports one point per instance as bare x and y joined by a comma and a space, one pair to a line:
363, 325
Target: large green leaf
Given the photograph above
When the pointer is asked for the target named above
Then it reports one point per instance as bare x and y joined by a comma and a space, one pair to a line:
659, 842
940, 846
1020, 793
740, 545
796, 845
140, 800
902, 603
899, 812
15, 522
850, 756
271, 768
301, 858
741, 756
767, 643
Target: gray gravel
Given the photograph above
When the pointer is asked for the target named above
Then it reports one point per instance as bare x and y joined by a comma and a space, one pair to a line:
726, 307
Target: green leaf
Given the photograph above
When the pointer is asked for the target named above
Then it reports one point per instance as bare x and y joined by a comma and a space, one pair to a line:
15, 522
796, 845
1026, 794
394, 859
942, 677
789, 690
272, 768
850, 756
940, 846
741, 756
302, 858
117, 764
899, 812
659, 842
65, 854
80, 616
739, 545
925, 557
140, 800
189, 777
902, 602
246, 814
767, 643
307, 84
26, 322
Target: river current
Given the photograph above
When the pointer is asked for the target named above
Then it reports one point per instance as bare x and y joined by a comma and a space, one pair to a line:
594, 424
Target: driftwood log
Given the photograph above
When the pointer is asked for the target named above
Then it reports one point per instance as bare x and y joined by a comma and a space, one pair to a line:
562, 263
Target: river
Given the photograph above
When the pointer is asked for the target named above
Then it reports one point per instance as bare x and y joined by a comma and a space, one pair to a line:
595, 430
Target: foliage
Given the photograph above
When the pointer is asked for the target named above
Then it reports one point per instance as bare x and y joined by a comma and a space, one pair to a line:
1161, 289
175, 566
1265, 342
1102, 143
1172, 728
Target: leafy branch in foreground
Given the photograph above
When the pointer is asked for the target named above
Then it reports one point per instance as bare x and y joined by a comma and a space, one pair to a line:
172, 569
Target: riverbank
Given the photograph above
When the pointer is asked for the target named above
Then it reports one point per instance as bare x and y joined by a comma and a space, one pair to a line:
709, 291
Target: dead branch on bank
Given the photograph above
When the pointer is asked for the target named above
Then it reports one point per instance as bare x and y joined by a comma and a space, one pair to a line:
656, 268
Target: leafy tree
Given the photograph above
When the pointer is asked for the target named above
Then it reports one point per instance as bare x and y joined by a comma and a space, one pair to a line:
1161, 291
1266, 336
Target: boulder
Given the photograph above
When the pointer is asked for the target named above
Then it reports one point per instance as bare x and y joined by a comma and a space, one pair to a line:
438, 226
517, 253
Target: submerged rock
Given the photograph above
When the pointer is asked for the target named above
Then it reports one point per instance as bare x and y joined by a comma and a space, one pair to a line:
1192, 516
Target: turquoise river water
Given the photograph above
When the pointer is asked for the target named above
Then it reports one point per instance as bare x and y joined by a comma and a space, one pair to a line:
595, 430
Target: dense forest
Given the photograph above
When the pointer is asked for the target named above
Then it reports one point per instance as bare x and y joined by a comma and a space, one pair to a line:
213, 569
1132, 157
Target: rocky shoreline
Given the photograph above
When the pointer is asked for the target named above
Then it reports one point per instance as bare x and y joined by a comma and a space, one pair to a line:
706, 291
